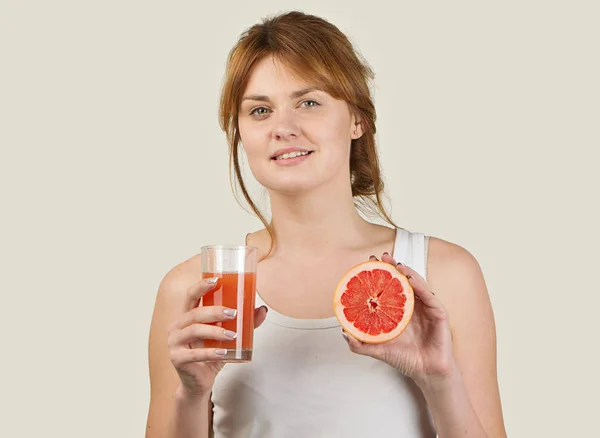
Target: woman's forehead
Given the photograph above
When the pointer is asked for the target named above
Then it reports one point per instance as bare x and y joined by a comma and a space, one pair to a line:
272, 74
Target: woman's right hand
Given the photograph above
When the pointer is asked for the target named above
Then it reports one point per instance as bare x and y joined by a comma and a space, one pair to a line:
198, 366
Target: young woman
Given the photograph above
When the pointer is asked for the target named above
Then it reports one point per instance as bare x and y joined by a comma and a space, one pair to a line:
296, 97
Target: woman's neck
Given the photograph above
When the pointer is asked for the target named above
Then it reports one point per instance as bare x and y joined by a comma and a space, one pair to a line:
322, 222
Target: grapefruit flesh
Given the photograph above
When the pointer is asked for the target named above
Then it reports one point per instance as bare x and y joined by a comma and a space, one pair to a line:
374, 302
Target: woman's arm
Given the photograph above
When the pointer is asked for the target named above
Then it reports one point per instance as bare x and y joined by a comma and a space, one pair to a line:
191, 416
467, 404
452, 411
173, 413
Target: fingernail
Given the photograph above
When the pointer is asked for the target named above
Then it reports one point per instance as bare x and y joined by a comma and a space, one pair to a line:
385, 253
221, 352
230, 334
230, 312
399, 264
212, 280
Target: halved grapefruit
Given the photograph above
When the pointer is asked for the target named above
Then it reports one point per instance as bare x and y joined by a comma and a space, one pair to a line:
374, 302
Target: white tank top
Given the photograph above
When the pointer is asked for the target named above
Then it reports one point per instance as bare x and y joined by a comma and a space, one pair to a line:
304, 381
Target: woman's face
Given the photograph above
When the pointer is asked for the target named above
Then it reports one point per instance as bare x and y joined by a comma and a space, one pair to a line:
279, 114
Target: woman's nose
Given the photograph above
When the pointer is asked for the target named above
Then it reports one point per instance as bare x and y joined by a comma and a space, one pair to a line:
285, 126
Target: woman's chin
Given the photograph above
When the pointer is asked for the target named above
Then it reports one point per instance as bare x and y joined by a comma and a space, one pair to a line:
291, 187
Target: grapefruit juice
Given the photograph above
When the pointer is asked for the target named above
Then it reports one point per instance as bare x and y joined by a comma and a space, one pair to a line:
235, 290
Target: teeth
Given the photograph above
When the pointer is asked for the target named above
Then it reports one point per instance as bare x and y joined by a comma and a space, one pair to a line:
291, 155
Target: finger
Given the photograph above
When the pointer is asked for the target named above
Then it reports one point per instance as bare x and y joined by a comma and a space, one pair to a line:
373, 259
388, 259
183, 356
364, 349
200, 332
206, 315
419, 286
197, 291
260, 315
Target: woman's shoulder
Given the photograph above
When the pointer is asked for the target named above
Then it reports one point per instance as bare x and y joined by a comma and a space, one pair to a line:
183, 275
445, 257
456, 277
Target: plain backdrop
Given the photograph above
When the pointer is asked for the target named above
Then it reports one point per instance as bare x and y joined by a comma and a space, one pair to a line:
113, 169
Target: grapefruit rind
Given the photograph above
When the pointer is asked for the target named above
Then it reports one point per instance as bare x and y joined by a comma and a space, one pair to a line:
349, 327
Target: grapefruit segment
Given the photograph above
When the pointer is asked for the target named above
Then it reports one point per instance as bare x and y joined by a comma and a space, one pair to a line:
374, 302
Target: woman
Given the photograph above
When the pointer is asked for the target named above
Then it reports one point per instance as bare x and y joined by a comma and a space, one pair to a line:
296, 96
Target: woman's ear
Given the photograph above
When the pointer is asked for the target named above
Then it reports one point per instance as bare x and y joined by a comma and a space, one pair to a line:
357, 132
357, 129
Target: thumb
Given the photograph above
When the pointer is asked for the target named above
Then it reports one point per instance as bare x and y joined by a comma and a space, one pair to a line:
260, 315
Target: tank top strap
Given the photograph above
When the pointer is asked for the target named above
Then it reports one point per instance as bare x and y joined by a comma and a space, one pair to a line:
411, 249
401, 246
419, 256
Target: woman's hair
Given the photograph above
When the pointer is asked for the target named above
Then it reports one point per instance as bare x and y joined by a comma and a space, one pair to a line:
320, 53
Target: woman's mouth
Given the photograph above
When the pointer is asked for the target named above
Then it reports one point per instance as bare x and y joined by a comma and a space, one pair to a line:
291, 155
291, 158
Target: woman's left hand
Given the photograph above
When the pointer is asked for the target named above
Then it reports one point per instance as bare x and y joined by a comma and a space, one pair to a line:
424, 350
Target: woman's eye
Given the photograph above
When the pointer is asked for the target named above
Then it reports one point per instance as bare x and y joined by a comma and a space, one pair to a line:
260, 111
309, 103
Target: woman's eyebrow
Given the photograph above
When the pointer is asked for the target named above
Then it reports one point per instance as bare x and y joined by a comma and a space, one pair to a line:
293, 95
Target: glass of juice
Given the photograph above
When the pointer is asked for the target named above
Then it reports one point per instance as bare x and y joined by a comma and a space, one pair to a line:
235, 266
